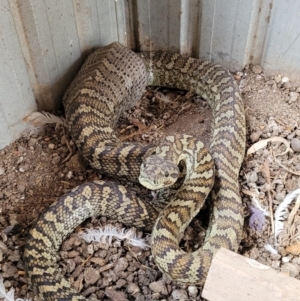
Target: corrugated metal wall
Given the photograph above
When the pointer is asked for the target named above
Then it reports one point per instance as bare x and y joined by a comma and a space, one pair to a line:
43, 42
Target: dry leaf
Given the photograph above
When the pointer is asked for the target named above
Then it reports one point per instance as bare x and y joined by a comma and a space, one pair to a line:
294, 249
265, 169
263, 143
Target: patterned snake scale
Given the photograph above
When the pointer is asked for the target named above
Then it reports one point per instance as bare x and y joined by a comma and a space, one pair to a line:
111, 81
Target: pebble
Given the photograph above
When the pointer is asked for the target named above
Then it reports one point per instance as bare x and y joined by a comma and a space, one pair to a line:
133, 289
115, 295
71, 265
158, 287
277, 79
55, 160
193, 291
293, 96
91, 276
290, 269
2, 171
121, 265
251, 177
285, 259
69, 175
255, 136
295, 144
75, 163
285, 79
23, 168
256, 69
51, 146
179, 295
120, 283
32, 141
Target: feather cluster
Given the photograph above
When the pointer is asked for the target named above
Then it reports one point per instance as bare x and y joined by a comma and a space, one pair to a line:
10, 295
257, 219
282, 211
106, 234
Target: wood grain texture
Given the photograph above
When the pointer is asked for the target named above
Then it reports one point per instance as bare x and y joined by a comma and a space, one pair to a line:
233, 277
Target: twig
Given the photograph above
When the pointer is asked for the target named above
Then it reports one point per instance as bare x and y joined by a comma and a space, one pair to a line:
265, 169
69, 148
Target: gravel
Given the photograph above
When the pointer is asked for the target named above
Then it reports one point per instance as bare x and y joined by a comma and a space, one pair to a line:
36, 170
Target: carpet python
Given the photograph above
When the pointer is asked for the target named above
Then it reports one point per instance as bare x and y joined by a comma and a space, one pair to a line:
111, 81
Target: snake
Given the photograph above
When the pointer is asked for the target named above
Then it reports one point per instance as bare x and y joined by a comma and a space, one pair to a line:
111, 81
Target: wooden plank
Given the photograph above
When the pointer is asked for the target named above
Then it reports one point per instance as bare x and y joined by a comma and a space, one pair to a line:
233, 277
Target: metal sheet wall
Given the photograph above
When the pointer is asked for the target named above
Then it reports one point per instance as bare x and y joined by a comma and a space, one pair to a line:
43, 42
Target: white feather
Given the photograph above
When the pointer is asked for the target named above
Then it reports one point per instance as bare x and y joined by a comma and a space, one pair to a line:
106, 234
270, 249
8, 296
282, 211
41, 118
255, 203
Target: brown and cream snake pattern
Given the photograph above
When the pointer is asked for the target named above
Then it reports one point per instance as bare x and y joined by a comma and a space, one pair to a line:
111, 81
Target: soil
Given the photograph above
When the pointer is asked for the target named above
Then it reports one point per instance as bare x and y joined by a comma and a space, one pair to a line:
38, 168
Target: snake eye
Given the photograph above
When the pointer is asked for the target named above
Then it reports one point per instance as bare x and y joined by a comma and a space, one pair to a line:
166, 174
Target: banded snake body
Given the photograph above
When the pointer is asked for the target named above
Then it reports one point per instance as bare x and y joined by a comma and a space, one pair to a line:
112, 80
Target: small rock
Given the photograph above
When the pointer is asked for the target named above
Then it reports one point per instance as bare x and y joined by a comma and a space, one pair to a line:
89, 291
121, 265
158, 287
251, 177
298, 90
9, 269
255, 136
277, 79
63, 140
91, 276
75, 163
193, 291
297, 133
70, 243
179, 295
295, 144
70, 265
69, 175
120, 283
293, 96
254, 253
291, 269
55, 160
115, 295
32, 141
51, 146
256, 69
279, 196
285, 79
98, 261
14, 256
24, 168
77, 271
275, 264
2, 171
285, 259
290, 136
133, 289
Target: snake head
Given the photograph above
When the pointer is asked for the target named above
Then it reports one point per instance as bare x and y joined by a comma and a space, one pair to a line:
157, 173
